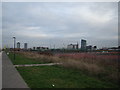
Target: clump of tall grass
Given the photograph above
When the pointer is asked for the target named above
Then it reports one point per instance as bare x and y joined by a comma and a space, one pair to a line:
103, 66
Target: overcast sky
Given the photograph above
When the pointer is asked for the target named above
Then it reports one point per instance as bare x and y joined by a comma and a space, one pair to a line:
60, 24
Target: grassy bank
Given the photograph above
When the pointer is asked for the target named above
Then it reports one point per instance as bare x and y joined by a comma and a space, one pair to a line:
46, 76
102, 68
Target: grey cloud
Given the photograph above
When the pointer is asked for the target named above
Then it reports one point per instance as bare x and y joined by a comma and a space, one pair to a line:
60, 23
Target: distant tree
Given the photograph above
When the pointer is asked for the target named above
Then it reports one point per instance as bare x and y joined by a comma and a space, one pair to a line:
95, 46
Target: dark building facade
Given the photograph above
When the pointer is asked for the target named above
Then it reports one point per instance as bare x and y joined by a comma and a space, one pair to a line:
83, 45
25, 46
18, 45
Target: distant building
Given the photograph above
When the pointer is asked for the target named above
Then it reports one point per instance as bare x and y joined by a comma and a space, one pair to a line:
89, 48
72, 46
18, 45
25, 46
114, 48
41, 48
83, 45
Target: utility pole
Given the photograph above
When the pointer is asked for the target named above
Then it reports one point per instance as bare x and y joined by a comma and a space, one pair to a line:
54, 46
63, 47
14, 46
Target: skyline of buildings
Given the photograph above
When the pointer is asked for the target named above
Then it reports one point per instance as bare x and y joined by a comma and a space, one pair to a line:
69, 46
82, 45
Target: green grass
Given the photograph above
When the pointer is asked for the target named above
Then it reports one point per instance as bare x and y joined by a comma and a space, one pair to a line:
21, 59
45, 76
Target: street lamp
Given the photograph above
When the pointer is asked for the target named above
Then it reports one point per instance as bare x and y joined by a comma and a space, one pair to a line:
14, 46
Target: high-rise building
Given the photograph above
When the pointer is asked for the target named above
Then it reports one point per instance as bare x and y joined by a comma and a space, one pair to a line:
25, 46
18, 45
83, 45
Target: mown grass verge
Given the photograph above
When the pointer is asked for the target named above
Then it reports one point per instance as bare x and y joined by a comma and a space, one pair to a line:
47, 76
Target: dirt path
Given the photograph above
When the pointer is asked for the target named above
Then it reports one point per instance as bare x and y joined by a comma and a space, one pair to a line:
29, 65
